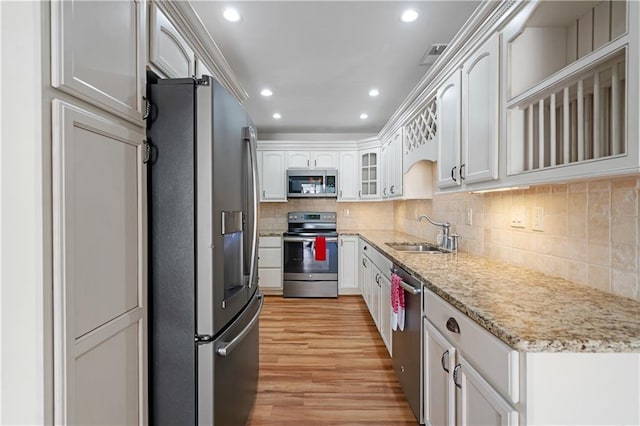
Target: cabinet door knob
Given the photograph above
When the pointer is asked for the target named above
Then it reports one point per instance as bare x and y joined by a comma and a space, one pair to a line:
445, 354
455, 376
452, 325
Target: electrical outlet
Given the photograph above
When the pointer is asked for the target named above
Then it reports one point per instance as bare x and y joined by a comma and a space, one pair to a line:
517, 217
538, 219
468, 216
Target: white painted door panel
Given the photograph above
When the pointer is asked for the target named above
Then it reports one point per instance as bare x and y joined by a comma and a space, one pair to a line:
325, 160
168, 50
478, 403
480, 114
348, 176
97, 51
449, 131
439, 394
106, 377
104, 219
271, 165
99, 238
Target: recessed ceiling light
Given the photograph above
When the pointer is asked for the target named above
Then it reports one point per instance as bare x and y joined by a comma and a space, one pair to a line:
277, 116
231, 15
364, 116
266, 92
374, 92
409, 15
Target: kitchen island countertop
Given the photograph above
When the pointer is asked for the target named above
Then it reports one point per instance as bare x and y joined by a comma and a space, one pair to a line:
528, 310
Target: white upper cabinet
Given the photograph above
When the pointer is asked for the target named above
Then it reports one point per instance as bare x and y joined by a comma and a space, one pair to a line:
572, 91
348, 176
97, 54
312, 160
391, 156
271, 167
369, 173
480, 114
169, 51
449, 131
468, 118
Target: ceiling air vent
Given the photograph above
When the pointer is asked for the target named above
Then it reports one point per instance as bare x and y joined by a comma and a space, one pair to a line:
432, 54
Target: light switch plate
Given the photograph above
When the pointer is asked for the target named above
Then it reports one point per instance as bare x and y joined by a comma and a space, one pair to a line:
538, 219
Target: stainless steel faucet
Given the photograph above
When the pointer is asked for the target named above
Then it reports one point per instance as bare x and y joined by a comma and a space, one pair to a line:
449, 242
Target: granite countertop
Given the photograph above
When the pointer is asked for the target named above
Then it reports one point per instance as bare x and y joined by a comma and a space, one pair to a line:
529, 311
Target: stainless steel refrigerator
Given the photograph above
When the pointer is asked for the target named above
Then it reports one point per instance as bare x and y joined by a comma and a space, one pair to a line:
203, 273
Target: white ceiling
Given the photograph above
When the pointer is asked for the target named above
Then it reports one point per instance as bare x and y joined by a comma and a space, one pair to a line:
321, 58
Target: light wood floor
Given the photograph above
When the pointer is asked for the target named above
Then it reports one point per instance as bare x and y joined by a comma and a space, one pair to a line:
322, 361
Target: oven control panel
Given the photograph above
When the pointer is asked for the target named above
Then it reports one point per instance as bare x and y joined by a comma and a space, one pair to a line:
306, 217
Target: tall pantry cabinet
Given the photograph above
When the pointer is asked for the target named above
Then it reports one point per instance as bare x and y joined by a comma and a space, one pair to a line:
98, 180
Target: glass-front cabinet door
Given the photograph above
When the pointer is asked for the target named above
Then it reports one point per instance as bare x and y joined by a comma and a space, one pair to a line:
369, 174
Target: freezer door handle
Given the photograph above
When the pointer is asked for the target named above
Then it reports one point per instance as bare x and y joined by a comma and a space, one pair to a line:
227, 347
253, 158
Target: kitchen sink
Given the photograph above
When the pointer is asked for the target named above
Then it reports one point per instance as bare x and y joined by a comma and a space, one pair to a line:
417, 247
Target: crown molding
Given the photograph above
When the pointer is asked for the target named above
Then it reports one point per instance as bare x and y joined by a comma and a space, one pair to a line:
190, 26
483, 22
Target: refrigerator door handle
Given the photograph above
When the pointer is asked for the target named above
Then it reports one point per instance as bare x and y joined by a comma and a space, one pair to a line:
227, 347
250, 138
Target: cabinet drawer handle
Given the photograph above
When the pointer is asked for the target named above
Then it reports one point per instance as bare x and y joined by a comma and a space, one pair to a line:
452, 325
264, 193
364, 263
455, 377
453, 174
444, 355
341, 193
392, 190
462, 175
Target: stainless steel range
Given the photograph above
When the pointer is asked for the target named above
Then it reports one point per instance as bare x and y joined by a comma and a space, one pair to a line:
311, 255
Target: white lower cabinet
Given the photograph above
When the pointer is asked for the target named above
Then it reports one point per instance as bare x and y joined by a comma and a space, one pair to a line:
348, 265
455, 393
439, 391
270, 264
375, 285
470, 377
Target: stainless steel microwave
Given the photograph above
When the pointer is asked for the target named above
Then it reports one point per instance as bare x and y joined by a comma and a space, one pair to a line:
312, 183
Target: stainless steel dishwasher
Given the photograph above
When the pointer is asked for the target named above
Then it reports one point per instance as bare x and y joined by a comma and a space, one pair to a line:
407, 343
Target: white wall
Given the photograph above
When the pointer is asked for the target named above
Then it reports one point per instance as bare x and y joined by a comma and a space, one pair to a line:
23, 328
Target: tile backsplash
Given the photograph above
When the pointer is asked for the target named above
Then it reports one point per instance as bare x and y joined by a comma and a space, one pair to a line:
590, 229
350, 216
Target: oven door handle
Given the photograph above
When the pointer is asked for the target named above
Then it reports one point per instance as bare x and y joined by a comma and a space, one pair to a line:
307, 239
